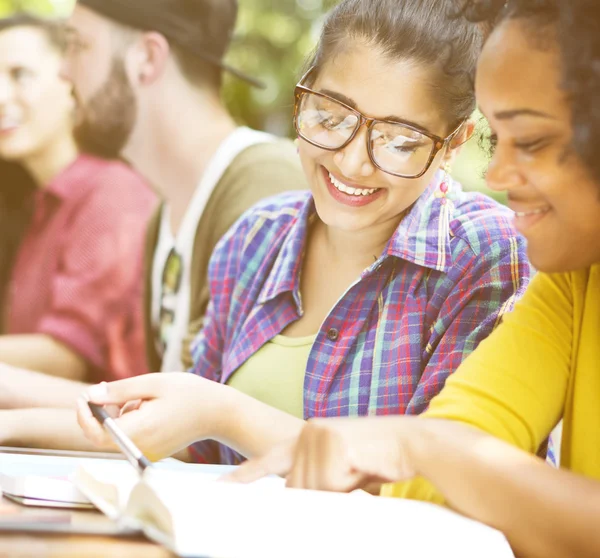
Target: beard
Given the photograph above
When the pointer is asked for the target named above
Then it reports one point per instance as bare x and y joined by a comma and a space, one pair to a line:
106, 121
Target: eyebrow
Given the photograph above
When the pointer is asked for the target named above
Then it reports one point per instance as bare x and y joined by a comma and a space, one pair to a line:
511, 114
391, 118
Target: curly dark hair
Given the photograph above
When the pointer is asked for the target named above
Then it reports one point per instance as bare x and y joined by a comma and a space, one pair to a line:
577, 26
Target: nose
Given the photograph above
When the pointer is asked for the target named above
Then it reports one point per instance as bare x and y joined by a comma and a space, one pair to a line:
502, 174
65, 68
353, 160
6, 90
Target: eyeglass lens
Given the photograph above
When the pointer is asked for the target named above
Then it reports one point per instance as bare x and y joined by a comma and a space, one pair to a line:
395, 148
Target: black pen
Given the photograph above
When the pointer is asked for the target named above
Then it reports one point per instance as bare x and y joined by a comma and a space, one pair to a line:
129, 449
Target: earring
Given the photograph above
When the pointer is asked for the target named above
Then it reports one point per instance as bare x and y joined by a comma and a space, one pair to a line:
445, 208
445, 184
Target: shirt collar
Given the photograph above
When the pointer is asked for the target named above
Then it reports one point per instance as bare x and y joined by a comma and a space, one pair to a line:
285, 274
423, 238
64, 183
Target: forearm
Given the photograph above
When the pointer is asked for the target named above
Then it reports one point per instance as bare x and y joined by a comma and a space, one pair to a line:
20, 388
252, 428
544, 512
43, 428
42, 353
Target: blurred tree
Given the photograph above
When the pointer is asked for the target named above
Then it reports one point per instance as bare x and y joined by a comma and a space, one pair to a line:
273, 40
39, 7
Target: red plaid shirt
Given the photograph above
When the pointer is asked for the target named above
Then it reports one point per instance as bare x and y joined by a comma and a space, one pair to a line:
78, 273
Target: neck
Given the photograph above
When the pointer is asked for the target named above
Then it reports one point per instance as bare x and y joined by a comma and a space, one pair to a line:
357, 249
173, 147
48, 163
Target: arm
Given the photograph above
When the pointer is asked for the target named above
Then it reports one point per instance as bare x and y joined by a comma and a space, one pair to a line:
21, 388
544, 512
98, 286
43, 353
43, 428
514, 385
177, 408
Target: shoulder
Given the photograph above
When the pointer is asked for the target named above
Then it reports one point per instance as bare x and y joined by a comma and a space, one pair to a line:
114, 184
260, 232
273, 215
109, 196
481, 223
582, 285
272, 165
274, 150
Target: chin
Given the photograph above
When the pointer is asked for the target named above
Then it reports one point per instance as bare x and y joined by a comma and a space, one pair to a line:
553, 261
335, 216
14, 155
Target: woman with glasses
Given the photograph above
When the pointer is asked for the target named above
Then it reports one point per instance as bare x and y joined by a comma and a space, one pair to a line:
72, 226
543, 362
360, 297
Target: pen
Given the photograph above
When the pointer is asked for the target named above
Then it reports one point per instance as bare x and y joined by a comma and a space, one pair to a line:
129, 449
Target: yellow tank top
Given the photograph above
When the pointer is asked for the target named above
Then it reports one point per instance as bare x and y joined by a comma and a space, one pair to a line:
275, 374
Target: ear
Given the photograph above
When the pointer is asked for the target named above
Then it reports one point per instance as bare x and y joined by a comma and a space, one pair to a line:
463, 136
147, 58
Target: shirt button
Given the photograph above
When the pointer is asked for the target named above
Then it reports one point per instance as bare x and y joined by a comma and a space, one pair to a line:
333, 334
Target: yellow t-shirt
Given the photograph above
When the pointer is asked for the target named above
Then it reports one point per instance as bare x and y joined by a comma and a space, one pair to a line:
275, 374
541, 363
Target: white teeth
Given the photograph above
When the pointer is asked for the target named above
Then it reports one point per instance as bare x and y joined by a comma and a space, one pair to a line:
349, 190
531, 213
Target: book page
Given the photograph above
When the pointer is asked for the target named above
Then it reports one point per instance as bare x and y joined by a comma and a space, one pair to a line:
230, 521
107, 485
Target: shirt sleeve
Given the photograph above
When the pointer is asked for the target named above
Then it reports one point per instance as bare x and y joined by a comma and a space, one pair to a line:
98, 288
210, 345
514, 385
262, 171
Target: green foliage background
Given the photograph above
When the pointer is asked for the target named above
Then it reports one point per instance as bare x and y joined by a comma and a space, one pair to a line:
272, 42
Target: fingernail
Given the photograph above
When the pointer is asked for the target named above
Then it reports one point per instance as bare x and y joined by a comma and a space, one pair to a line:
98, 393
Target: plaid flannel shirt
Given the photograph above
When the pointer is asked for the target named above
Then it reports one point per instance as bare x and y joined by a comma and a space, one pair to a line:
439, 288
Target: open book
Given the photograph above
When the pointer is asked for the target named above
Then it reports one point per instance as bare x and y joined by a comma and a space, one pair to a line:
193, 515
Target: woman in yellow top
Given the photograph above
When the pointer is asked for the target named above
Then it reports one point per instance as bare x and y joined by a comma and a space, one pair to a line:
538, 84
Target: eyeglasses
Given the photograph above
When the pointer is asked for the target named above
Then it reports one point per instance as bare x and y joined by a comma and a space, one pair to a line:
396, 148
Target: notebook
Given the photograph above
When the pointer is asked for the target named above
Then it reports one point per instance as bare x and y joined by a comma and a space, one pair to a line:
193, 515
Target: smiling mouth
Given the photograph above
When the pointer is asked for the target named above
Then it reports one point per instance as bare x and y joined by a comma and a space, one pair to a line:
8, 123
539, 211
350, 190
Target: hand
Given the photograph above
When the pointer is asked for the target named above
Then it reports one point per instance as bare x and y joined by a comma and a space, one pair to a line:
162, 413
340, 455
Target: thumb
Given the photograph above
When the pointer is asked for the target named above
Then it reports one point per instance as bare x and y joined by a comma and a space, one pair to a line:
117, 393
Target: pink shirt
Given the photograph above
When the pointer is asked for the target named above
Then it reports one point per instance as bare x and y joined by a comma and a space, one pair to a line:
78, 274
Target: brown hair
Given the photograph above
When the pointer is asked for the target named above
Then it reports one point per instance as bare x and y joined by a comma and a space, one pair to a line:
425, 31
16, 185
